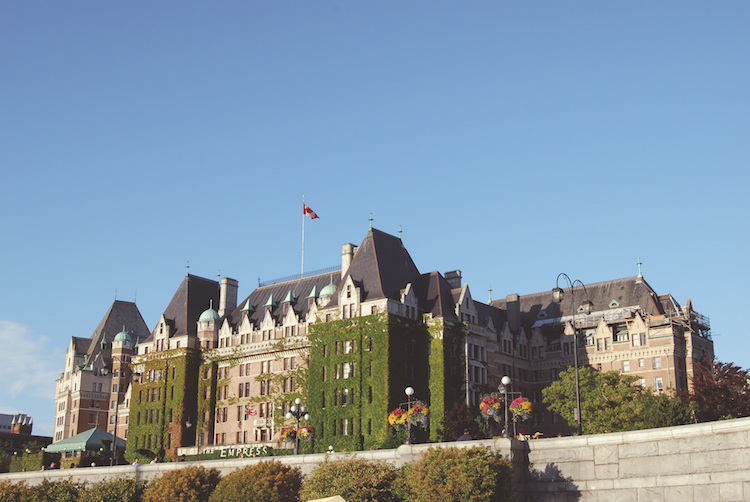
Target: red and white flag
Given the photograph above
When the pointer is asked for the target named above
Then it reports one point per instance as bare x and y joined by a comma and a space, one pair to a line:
308, 211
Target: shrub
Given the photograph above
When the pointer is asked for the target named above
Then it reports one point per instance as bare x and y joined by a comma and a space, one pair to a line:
353, 478
113, 490
10, 492
456, 474
263, 482
58, 491
191, 484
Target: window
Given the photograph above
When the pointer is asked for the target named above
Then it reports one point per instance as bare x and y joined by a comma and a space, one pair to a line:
641, 363
566, 349
656, 361
344, 397
599, 344
625, 366
325, 350
658, 384
345, 426
347, 370
606, 343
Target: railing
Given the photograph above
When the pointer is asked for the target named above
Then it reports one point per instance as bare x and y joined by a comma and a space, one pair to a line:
298, 276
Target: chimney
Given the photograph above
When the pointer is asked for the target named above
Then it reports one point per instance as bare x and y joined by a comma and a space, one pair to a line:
347, 256
228, 298
454, 278
513, 311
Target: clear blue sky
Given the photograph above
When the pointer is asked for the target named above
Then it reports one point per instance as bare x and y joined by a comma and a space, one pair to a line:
513, 140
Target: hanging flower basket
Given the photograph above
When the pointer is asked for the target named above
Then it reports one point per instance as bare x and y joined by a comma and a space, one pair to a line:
288, 434
521, 408
398, 418
419, 416
492, 407
306, 433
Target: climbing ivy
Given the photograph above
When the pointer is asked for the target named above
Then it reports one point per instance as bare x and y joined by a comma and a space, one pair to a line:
166, 391
389, 353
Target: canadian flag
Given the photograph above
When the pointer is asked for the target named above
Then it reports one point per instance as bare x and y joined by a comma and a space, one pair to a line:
307, 210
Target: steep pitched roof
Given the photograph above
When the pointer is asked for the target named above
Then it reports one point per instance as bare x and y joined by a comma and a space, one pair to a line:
300, 289
435, 296
191, 299
381, 268
627, 292
120, 314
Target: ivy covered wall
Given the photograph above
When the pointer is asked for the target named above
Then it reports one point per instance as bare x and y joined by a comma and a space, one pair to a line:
359, 369
162, 402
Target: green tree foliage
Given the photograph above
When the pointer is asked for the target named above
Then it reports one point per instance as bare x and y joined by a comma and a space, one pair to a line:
613, 402
191, 484
113, 490
609, 400
58, 491
262, 482
663, 410
720, 391
12, 492
353, 478
456, 474
456, 420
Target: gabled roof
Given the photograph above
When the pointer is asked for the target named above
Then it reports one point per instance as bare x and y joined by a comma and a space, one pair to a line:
628, 292
382, 267
435, 296
90, 440
299, 288
192, 298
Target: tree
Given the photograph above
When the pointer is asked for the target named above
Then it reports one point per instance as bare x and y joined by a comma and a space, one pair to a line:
456, 420
664, 410
610, 401
262, 482
353, 478
720, 391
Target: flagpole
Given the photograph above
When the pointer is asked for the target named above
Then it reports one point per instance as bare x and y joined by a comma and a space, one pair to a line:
302, 270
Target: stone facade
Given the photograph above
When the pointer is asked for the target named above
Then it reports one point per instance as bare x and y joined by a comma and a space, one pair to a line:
689, 463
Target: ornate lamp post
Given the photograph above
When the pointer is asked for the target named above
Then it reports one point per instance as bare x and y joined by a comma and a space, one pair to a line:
409, 391
297, 412
505, 384
586, 308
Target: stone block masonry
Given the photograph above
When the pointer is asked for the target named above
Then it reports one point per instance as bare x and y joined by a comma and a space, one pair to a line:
702, 462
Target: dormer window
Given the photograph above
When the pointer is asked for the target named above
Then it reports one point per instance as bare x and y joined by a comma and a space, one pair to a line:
348, 290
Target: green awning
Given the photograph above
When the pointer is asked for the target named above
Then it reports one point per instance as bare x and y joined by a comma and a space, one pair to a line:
90, 440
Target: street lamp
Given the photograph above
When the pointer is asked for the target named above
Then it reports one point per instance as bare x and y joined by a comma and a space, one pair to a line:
586, 308
506, 382
297, 412
409, 391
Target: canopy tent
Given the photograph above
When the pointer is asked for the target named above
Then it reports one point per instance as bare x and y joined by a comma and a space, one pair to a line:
90, 440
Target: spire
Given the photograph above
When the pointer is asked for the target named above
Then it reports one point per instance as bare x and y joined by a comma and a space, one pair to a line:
370, 221
490, 291
187, 270
640, 274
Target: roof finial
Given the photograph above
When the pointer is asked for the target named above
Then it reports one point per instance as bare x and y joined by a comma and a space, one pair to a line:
370, 221
399, 232
115, 294
187, 270
490, 290
218, 276
640, 274
135, 296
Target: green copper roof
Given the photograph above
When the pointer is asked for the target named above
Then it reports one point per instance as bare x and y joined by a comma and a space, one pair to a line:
209, 315
313, 293
289, 298
329, 290
248, 306
123, 336
271, 302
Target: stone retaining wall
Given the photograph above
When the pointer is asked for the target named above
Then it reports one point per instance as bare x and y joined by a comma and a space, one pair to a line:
702, 462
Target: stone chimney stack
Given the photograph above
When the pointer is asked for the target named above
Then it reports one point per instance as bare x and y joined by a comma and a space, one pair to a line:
347, 256
513, 307
454, 278
228, 298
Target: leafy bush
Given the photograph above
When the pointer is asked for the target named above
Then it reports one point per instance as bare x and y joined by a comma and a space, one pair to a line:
58, 491
457, 474
353, 478
113, 490
263, 482
191, 484
10, 492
